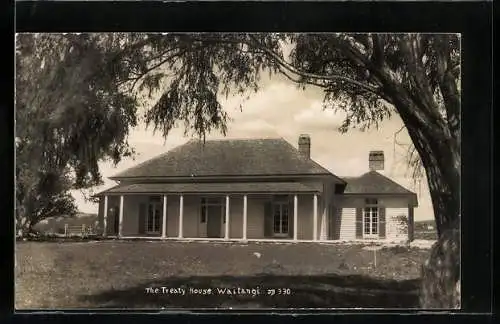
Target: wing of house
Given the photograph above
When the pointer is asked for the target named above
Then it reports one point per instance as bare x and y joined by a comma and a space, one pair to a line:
259, 189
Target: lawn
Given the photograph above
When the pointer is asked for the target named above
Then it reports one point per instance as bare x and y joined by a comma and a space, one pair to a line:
116, 274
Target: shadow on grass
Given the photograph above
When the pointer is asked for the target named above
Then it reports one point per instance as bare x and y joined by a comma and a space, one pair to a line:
327, 291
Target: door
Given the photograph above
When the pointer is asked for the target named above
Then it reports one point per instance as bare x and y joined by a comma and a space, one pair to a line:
214, 221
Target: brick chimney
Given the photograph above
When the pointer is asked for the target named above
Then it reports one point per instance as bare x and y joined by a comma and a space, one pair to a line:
376, 160
305, 146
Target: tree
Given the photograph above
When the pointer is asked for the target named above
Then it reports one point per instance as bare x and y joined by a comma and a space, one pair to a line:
370, 76
40, 193
69, 115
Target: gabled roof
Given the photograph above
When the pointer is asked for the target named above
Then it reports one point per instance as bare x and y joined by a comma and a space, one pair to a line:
374, 183
246, 157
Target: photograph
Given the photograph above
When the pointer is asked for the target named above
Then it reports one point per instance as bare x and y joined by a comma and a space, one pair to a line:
237, 171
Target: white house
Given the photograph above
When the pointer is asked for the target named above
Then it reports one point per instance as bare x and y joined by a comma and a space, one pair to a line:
254, 190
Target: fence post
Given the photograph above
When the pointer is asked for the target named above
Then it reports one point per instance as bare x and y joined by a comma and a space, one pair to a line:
83, 229
66, 229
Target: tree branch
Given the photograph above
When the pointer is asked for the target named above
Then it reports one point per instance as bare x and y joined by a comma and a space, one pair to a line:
446, 80
149, 69
412, 108
410, 114
311, 82
286, 66
289, 67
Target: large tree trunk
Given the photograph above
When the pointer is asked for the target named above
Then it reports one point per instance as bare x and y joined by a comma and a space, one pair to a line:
441, 272
440, 286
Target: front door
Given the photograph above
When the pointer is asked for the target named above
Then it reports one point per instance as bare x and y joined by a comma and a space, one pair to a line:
214, 220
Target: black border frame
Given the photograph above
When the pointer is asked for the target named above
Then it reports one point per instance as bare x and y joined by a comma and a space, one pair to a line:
473, 20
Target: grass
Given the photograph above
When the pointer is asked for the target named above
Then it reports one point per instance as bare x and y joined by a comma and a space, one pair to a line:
117, 273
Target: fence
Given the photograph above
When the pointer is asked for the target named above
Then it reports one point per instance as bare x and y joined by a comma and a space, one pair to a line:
79, 230
425, 235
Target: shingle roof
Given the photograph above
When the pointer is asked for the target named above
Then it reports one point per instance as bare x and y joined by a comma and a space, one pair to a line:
210, 187
373, 183
248, 157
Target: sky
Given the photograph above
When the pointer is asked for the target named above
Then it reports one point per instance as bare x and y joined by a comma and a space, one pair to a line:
280, 109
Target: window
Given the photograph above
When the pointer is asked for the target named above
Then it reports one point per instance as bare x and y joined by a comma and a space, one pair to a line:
370, 218
280, 218
155, 215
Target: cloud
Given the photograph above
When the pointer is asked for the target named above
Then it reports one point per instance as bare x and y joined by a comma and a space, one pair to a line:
315, 117
270, 103
252, 128
353, 166
140, 134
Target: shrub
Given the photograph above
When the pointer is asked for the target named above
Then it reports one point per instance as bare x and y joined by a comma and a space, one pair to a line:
401, 221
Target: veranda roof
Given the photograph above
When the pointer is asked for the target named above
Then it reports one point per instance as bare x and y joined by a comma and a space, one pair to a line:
226, 188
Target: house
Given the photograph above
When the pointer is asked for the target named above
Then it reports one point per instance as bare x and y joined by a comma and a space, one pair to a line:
254, 190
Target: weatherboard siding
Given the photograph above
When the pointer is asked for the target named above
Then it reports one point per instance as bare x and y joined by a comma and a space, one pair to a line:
347, 220
255, 217
236, 217
305, 217
131, 214
173, 216
191, 216
394, 206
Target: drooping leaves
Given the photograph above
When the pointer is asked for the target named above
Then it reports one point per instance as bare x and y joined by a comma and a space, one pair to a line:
69, 116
